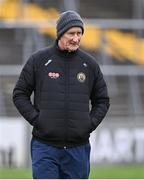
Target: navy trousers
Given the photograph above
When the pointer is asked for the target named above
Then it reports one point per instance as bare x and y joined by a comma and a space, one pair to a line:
50, 162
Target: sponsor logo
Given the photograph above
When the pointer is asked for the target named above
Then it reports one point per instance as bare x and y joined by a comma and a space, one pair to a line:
81, 77
53, 75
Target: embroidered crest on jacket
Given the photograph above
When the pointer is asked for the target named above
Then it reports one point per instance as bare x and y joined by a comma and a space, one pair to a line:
81, 77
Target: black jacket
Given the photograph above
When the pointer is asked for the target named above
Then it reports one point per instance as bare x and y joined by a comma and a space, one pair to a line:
63, 83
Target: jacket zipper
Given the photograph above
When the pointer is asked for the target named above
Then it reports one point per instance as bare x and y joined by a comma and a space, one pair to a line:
66, 102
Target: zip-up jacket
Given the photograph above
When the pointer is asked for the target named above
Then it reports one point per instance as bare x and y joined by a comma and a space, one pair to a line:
70, 96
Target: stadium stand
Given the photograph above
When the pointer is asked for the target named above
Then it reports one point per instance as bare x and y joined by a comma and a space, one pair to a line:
120, 45
106, 9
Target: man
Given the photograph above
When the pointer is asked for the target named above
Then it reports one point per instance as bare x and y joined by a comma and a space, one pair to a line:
64, 79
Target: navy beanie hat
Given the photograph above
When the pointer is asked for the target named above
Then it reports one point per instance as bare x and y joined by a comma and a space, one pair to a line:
68, 20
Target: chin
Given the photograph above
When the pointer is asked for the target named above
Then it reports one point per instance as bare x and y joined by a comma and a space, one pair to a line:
72, 50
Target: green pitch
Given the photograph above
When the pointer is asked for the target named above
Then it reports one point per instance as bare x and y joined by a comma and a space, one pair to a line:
97, 172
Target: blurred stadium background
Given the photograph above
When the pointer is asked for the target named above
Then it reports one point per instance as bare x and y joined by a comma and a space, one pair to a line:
114, 34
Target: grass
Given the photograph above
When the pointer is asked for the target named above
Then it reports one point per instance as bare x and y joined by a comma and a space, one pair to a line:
15, 173
98, 172
118, 172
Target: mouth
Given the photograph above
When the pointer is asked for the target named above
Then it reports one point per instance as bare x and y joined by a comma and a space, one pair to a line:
73, 47
75, 44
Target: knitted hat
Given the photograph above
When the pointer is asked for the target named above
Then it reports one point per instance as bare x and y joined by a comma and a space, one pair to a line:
68, 20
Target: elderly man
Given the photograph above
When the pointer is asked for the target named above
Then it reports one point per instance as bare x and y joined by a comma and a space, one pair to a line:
64, 80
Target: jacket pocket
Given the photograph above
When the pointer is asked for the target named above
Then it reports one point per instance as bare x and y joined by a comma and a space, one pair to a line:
49, 126
80, 128
35, 121
93, 124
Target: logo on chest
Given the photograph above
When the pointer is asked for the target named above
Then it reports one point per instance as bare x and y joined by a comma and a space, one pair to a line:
81, 77
53, 75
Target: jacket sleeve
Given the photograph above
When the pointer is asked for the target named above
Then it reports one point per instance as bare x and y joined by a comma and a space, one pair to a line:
23, 90
99, 99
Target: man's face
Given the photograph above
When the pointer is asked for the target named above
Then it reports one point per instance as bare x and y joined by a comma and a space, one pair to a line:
70, 40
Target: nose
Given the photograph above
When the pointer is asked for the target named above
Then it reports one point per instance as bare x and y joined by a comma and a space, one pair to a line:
75, 38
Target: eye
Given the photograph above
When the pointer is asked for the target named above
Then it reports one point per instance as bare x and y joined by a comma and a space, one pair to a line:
79, 33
